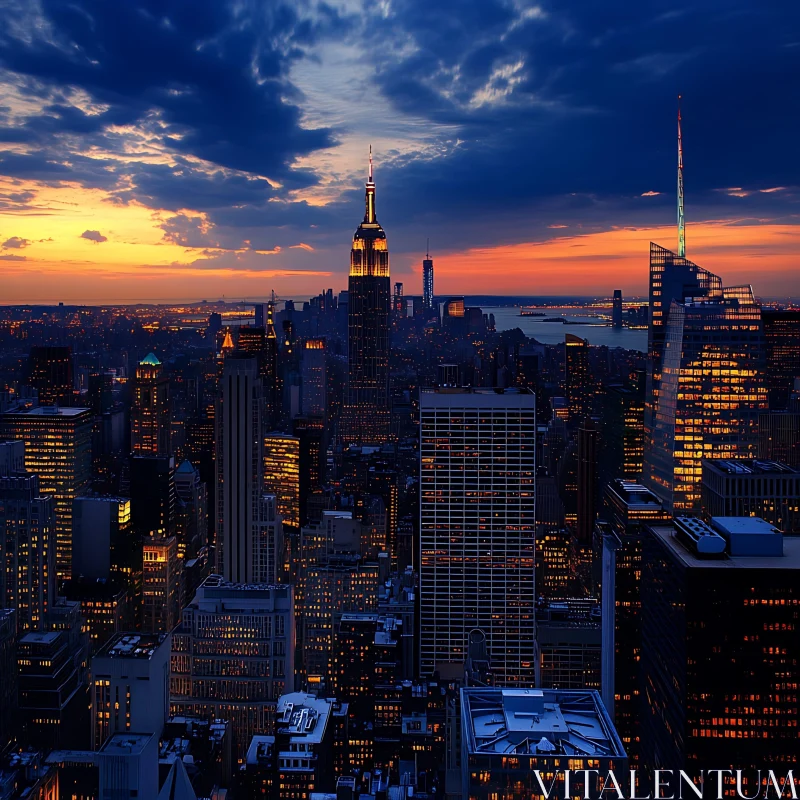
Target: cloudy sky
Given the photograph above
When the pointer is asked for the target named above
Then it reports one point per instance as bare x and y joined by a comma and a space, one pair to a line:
198, 148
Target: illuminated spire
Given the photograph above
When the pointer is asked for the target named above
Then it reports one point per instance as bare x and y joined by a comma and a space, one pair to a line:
369, 213
681, 218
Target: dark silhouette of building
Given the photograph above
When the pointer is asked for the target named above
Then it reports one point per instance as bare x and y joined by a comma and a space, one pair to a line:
782, 340
708, 701
616, 309
577, 377
587, 481
50, 373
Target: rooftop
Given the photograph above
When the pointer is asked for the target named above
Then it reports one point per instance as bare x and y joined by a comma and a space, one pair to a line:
302, 716
40, 637
132, 645
52, 411
789, 560
749, 467
634, 494
126, 744
150, 360
544, 722
261, 750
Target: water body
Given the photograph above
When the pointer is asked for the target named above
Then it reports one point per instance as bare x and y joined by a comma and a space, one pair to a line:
593, 329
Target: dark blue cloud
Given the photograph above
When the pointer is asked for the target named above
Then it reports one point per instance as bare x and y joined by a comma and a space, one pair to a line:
557, 113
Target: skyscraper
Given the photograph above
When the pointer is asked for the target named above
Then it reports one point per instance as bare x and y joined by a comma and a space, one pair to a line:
577, 377
477, 490
719, 608
710, 393
282, 475
151, 416
50, 373
161, 584
240, 447
58, 450
427, 282
616, 310
366, 413
314, 378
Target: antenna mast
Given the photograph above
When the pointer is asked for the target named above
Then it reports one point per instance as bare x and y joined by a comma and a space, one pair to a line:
681, 217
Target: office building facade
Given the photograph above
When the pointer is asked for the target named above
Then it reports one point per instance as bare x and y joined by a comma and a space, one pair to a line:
476, 556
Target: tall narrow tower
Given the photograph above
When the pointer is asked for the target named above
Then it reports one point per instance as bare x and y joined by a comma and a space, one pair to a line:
366, 413
427, 280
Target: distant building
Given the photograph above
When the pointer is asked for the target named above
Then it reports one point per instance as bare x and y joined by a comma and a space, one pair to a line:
477, 490
315, 378
751, 488
50, 373
616, 309
546, 730
192, 511
130, 686
427, 283
248, 631
577, 377
153, 498
58, 450
282, 475
151, 411
239, 464
366, 413
707, 702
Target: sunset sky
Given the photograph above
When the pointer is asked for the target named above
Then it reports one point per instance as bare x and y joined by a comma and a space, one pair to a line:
194, 149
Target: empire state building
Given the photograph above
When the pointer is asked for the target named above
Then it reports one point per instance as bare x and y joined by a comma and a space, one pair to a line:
366, 413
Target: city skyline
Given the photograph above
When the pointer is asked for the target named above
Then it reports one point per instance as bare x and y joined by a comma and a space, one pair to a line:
508, 158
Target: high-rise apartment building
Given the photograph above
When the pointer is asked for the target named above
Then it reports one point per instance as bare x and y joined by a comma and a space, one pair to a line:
50, 373
57, 450
621, 431
240, 447
477, 499
28, 547
719, 638
233, 656
710, 393
577, 377
314, 378
130, 686
366, 413
151, 412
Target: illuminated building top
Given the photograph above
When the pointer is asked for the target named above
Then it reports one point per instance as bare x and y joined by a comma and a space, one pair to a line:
370, 255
